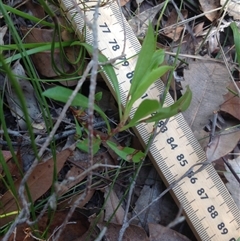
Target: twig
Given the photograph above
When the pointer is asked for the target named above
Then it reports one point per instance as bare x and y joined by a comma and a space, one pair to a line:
90, 115
39, 141
228, 69
231, 169
214, 122
190, 19
178, 219
91, 97
102, 233
186, 24
56, 229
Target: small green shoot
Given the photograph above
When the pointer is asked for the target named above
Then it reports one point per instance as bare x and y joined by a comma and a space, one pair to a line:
236, 36
149, 110
127, 153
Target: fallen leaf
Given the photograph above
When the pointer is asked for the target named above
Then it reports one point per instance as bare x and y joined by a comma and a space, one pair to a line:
140, 22
43, 60
68, 202
231, 104
174, 32
133, 232
38, 183
29, 95
35, 9
233, 8
11, 165
112, 202
152, 188
207, 81
222, 144
158, 232
7, 155
207, 5
233, 185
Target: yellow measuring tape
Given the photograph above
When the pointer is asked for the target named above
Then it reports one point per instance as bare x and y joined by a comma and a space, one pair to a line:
208, 206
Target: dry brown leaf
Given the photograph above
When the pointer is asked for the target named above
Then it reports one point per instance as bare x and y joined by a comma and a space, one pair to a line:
11, 165
7, 155
35, 9
73, 172
233, 185
38, 183
112, 203
231, 104
222, 144
158, 232
233, 8
133, 232
72, 199
207, 5
174, 32
207, 80
42, 61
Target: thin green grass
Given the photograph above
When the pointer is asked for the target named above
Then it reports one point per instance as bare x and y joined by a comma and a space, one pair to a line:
22, 52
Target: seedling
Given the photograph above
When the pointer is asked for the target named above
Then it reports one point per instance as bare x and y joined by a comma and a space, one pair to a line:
148, 111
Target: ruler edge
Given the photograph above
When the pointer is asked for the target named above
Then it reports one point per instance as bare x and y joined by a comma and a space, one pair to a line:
155, 163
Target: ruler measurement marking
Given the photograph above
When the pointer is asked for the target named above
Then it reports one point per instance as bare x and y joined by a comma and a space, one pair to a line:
192, 201
202, 219
196, 211
222, 203
178, 124
212, 236
171, 165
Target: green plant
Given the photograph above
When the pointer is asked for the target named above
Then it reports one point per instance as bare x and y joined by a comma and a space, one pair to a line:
148, 111
236, 36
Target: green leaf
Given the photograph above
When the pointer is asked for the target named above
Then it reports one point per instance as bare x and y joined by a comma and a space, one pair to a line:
146, 108
180, 105
157, 59
62, 94
127, 153
144, 58
98, 96
148, 80
78, 128
84, 145
108, 69
236, 36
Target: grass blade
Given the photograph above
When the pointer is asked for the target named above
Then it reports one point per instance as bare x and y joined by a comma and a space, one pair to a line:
236, 36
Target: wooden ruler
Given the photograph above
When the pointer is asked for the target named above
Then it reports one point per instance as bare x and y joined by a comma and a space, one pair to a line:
209, 208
